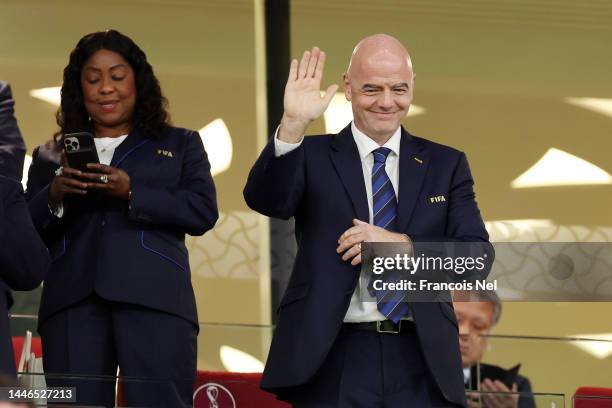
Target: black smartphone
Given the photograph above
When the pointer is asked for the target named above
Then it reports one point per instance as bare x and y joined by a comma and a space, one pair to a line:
80, 149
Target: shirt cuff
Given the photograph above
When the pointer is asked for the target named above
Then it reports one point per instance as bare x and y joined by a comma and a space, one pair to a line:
281, 148
57, 211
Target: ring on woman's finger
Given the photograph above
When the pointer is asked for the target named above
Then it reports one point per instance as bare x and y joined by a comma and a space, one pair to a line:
104, 178
59, 171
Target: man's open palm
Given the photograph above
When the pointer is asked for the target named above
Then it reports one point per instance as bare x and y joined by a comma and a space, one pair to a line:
303, 102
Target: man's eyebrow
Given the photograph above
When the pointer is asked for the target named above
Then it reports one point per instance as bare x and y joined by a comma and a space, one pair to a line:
401, 85
371, 86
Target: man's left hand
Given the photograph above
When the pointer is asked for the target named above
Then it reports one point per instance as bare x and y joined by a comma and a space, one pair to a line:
498, 400
112, 181
350, 241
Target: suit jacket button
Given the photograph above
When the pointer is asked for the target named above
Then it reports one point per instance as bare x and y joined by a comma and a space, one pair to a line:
103, 223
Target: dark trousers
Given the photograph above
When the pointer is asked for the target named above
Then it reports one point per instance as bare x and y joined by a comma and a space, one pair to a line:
367, 369
92, 338
7, 359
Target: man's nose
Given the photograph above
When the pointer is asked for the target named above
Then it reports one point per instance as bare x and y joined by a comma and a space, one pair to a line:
464, 330
386, 100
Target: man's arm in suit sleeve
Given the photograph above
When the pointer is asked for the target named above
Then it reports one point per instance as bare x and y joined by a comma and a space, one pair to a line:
12, 146
24, 259
191, 207
464, 225
276, 182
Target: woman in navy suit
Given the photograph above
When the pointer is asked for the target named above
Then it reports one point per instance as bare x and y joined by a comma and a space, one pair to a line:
119, 291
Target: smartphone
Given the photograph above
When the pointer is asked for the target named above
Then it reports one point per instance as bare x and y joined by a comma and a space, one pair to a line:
80, 149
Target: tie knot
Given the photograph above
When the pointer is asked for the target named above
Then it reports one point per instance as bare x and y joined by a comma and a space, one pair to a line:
381, 154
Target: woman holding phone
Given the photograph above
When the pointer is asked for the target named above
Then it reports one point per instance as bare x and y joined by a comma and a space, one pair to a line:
119, 292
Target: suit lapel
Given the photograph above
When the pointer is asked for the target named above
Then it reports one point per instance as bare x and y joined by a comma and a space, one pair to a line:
413, 164
131, 143
346, 160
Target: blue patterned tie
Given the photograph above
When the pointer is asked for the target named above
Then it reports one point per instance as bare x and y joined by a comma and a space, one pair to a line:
384, 210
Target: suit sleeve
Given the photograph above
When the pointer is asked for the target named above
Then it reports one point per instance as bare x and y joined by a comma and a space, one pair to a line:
466, 235
12, 146
40, 175
276, 184
526, 400
24, 259
191, 207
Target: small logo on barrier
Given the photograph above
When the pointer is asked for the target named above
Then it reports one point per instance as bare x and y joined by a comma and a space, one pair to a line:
215, 395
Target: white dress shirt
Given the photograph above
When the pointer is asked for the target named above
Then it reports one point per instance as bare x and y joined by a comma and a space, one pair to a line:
106, 147
362, 310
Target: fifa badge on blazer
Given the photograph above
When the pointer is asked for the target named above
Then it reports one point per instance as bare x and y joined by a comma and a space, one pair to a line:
166, 153
437, 199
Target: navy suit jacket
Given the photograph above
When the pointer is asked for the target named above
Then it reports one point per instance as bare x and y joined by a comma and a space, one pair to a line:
23, 259
23, 256
12, 147
321, 184
134, 253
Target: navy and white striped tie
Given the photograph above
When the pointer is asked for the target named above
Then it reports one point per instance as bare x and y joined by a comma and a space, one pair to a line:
384, 210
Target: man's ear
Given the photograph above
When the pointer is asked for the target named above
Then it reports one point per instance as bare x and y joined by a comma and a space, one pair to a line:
347, 86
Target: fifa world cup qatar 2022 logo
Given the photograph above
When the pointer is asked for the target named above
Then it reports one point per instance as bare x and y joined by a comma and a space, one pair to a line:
213, 395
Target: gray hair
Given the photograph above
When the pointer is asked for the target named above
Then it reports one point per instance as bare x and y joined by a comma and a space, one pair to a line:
481, 296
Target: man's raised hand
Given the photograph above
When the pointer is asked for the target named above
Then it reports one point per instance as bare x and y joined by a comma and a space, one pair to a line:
303, 102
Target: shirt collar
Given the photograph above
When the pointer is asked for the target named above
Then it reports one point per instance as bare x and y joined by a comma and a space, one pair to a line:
365, 145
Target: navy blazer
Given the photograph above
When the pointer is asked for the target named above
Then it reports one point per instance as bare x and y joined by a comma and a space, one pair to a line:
12, 147
23, 259
321, 184
134, 253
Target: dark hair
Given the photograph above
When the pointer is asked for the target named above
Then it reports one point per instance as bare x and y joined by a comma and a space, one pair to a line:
150, 110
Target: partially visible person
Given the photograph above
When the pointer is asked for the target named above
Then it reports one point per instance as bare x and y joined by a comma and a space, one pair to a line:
23, 260
23, 256
477, 314
119, 290
12, 147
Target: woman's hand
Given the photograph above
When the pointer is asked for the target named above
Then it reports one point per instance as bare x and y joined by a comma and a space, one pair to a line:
111, 181
64, 183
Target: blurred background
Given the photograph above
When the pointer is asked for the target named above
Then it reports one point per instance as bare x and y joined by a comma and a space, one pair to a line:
522, 86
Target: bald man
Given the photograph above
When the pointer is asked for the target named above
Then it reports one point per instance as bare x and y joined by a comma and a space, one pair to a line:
372, 182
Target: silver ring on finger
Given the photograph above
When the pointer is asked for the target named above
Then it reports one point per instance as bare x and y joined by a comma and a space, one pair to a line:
104, 178
59, 171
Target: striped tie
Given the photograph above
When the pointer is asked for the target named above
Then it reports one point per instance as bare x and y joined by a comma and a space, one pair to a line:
384, 210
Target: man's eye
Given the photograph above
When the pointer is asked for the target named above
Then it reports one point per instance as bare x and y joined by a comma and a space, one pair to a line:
370, 91
401, 91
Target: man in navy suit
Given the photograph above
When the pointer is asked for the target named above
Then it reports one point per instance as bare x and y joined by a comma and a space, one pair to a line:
23, 256
372, 182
